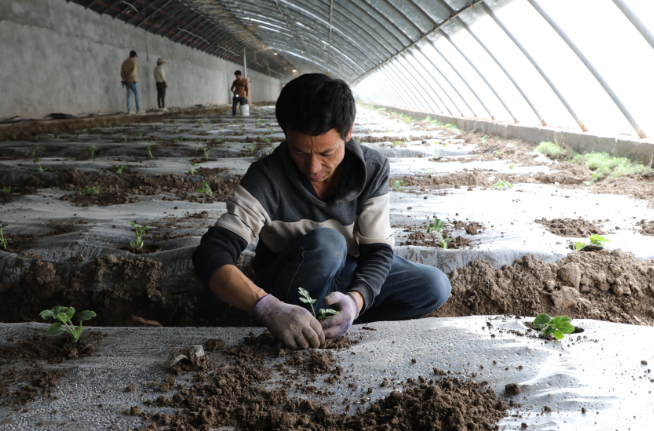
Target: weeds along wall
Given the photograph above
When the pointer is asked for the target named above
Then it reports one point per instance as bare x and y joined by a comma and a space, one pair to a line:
59, 57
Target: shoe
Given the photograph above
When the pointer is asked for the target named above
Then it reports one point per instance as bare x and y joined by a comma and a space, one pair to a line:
141, 112
164, 109
131, 112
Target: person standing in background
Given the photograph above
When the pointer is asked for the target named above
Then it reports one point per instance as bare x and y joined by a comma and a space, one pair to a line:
241, 90
128, 74
160, 79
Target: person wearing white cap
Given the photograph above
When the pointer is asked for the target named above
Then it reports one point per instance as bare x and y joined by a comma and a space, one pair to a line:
160, 78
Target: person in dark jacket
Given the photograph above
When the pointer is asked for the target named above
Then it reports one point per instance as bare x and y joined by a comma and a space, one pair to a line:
319, 205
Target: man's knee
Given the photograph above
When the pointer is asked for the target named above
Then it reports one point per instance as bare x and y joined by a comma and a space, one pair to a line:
327, 249
436, 286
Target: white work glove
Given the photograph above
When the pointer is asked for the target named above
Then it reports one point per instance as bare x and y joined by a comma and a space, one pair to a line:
292, 324
348, 310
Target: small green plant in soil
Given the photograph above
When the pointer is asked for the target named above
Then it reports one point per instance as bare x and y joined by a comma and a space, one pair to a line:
436, 226
595, 240
266, 140
502, 185
396, 143
512, 166
37, 160
3, 240
557, 326
322, 313
551, 149
92, 149
141, 133
206, 189
139, 232
149, 151
65, 315
397, 185
5, 189
192, 170
251, 147
88, 190
32, 153
175, 129
120, 169
206, 152
218, 139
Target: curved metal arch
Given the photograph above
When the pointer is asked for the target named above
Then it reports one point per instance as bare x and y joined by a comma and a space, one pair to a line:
408, 101
436, 84
423, 88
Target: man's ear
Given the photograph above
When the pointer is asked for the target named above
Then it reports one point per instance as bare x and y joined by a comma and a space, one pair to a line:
349, 134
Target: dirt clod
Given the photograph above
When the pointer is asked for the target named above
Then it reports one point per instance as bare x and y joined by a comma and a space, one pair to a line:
512, 389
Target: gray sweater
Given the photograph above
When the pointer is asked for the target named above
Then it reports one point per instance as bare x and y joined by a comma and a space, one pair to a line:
276, 202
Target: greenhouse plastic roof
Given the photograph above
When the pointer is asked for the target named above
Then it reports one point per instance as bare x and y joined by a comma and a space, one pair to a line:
581, 64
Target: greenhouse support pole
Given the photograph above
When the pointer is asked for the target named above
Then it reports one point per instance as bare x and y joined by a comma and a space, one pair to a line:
414, 75
433, 89
590, 67
631, 16
538, 68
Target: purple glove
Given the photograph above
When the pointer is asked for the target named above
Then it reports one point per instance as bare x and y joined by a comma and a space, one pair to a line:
292, 324
348, 310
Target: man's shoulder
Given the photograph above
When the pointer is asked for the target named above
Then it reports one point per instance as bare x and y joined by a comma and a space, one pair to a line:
372, 157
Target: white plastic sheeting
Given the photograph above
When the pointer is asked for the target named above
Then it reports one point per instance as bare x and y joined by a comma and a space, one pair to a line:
507, 60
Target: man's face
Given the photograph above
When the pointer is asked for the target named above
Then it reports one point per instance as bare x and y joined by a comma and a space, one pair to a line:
237, 76
317, 157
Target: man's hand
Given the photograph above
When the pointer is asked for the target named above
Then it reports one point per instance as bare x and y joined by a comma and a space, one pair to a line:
348, 310
294, 325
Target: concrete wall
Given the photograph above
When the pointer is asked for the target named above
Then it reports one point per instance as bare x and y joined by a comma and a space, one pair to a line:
59, 57
633, 148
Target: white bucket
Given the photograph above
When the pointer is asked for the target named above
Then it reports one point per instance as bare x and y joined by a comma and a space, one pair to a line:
244, 110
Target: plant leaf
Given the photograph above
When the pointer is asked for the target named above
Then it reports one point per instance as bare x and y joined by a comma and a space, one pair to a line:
558, 334
566, 327
46, 314
85, 315
541, 320
54, 329
558, 321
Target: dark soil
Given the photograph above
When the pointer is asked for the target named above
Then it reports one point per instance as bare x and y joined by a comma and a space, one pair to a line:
567, 227
421, 239
52, 349
604, 285
646, 227
239, 395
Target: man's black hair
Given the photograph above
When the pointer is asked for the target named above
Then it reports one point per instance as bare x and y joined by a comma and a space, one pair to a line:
238, 72
314, 104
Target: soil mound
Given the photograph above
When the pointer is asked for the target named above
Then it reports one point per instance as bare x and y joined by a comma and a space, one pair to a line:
569, 227
605, 285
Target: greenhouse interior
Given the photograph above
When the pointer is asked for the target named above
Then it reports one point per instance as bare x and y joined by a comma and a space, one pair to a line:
452, 226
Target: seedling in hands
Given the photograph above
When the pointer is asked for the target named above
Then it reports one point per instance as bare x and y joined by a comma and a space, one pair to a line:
206, 152
502, 185
139, 232
92, 150
437, 227
3, 240
192, 170
88, 190
120, 169
323, 313
206, 189
558, 326
64, 315
149, 151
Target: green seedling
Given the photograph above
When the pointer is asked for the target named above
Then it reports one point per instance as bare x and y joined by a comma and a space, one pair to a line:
37, 160
139, 232
498, 152
197, 146
149, 151
558, 326
124, 138
192, 170
266, 140
13, 137
206, 152
177, 139
436, 226
153, 127
323, 313
598, 240
219, 139
512, 166
34, 150
120, 169
3, 240
396, 143
483, 139
92, 150
175, 129
273, 148
206, 189
5, 189
175, 121
64, 315
141, 133
502, 185
56, 136
251, 147
88, 190
397, 185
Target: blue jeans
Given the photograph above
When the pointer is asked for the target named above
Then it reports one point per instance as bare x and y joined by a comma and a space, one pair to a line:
319, 262
133, 87
236, 101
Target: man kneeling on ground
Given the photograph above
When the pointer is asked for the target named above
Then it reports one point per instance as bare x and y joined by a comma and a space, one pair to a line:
320, 207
